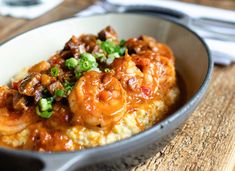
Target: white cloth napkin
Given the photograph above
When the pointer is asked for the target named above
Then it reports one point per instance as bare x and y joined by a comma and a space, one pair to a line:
223, 52
28, 12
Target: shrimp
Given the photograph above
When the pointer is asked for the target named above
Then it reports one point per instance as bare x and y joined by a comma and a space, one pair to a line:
166, 74
11, 122
97, 100
144, 75
137, 76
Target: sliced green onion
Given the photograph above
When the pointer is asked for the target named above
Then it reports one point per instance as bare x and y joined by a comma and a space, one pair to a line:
43, 114
78, 74
50, 99
54, 71
59, 93
44, 104
122, 42
44, 107
86, 62
108, 46
122, 51
83, 66
86, 65
71, 63
68, 86
88, 57
101, 57
114, 55
111, 58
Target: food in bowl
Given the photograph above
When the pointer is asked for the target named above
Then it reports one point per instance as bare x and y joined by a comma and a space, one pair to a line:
95, 91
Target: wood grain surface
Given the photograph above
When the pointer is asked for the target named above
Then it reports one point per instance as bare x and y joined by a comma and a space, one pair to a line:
207, 140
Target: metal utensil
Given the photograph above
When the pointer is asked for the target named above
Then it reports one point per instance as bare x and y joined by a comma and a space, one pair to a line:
207, 28
22, 2
217, 29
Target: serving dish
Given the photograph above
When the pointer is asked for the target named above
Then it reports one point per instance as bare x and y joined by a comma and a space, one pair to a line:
193, 63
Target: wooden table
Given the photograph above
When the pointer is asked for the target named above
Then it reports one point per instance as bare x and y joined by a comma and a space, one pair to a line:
207, 140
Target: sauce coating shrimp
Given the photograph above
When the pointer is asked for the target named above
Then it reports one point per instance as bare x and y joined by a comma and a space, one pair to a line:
138, 77
12, 122
97, 90
165, 69
97, 100
144, 75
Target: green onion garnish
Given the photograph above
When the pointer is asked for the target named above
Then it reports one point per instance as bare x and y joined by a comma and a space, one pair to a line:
122, 51
44, 108
44, 114
88, 57
44, 104
122, 42
111, 57
54, 71
113, 50
85, 65
78, 75
100, 56
68, 86
86, 62
59, 93
114, 55
108, 46
71, 63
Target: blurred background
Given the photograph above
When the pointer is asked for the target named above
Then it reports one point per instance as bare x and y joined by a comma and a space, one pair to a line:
17, 16
227, 4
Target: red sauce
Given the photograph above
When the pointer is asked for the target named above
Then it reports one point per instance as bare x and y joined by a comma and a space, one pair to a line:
141, 72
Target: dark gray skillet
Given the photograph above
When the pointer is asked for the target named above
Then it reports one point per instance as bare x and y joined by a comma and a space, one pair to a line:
193, 62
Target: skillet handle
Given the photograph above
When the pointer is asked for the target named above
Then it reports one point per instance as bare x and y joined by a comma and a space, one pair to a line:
63, 161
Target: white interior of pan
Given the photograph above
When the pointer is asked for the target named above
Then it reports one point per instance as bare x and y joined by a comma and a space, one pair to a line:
41, 43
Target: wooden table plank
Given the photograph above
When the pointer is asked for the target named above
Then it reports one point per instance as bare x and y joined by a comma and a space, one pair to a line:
207, 140
10, 27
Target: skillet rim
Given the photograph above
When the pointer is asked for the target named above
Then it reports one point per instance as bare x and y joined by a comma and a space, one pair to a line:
193, 101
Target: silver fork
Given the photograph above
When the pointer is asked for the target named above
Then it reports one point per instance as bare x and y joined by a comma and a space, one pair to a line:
22, 2
213, 29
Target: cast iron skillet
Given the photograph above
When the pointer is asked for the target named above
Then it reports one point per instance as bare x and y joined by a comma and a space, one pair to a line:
193, 62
